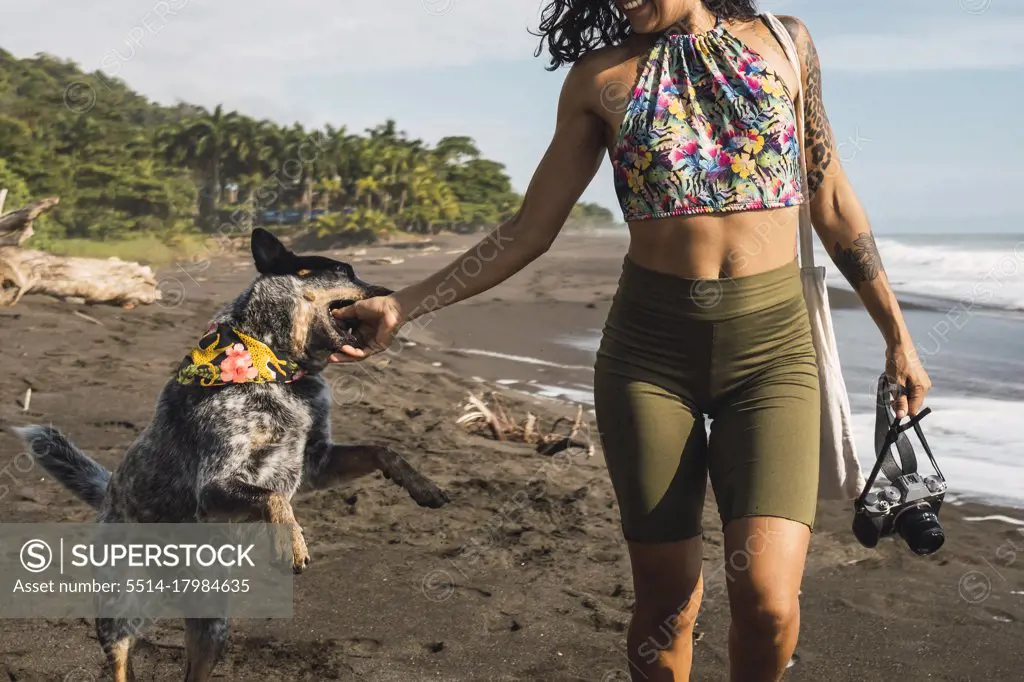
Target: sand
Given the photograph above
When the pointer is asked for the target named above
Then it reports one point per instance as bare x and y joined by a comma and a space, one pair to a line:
485, 588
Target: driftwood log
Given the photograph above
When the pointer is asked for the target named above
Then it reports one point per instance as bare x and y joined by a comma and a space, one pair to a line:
94, 280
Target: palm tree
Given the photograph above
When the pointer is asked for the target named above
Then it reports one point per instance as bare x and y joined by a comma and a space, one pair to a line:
203, 143
304, 164
339, 149
254, 148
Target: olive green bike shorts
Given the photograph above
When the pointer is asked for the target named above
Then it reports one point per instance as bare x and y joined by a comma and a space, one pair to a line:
737, 351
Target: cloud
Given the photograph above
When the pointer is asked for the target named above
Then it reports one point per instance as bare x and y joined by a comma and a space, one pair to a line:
306, 60
971, 43
170, 43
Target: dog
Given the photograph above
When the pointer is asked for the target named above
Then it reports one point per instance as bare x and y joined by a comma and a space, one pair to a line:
236, 441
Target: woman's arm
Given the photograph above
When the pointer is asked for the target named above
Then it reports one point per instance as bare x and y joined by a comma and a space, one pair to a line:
843, 227
568, 166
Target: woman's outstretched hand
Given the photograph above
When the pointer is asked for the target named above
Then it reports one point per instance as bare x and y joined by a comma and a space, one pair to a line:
904, 367
379, 320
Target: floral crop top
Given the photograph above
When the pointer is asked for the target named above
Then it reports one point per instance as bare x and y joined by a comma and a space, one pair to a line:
710, 127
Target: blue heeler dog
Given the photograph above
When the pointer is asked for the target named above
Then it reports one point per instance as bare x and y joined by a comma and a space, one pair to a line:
235, 442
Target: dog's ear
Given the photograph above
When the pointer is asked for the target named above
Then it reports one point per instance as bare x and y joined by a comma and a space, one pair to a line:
270, 255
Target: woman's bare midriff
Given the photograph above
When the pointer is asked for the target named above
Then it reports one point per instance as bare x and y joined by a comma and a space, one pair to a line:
715, 246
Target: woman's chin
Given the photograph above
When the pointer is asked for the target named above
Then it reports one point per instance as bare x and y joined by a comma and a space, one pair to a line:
642, 19
643, 27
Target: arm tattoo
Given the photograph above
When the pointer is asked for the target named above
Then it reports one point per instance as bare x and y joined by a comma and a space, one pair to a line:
861, 262
818, 141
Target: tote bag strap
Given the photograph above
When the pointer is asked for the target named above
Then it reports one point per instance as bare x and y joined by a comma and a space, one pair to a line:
806, 232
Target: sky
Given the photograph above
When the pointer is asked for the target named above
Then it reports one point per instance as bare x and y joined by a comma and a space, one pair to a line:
923, 95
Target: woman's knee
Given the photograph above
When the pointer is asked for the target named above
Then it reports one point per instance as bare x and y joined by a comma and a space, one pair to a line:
766, 615
664, 622
765, 577
668, 584
681, 601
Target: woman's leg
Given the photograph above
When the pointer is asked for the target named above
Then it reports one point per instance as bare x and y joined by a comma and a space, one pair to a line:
763, 455
763, 460
764, 566
650, 380
764, 467
668, 585
655, 448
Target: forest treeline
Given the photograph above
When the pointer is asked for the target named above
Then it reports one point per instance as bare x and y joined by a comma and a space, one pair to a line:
124, 166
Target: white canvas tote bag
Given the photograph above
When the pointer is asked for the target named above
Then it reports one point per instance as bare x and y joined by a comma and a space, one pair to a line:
840, 475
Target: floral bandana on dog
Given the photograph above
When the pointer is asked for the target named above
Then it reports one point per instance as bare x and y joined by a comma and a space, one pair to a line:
227, 356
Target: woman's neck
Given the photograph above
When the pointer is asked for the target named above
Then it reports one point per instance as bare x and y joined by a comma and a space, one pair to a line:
696, 18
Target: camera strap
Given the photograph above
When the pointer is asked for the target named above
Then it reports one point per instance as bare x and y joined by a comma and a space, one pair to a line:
885, 424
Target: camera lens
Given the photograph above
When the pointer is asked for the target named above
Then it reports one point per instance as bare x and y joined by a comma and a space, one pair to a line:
920, 529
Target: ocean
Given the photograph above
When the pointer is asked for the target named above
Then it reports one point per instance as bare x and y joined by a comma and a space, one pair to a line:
970, 338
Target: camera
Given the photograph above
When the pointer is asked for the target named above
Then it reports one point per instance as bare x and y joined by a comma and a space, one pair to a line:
909, 504
909, 507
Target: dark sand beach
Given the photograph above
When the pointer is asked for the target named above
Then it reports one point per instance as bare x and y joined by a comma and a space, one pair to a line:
524, 575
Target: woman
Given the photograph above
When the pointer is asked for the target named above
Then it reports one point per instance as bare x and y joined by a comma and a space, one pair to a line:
693, 102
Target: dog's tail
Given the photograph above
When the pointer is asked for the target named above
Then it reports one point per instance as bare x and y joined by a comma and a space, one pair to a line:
76, 470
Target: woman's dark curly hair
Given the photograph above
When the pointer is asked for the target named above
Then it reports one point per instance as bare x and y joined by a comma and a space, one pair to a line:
571, 28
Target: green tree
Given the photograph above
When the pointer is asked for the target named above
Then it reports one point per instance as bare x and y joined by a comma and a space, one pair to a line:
125, 166
203, 144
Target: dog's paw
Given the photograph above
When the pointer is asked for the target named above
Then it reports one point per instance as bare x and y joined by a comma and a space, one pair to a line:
290, 549
426, 493
300, 553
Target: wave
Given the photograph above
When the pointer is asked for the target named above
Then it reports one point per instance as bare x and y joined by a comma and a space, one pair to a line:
983, 273
976, 441
943, 270
515, 358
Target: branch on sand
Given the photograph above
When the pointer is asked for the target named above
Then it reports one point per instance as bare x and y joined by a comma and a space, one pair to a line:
94, 280
496, 420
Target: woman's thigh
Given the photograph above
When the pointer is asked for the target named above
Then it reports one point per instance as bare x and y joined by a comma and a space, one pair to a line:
765, 439
655, 448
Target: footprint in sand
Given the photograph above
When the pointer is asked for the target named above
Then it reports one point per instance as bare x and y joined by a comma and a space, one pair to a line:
361, 647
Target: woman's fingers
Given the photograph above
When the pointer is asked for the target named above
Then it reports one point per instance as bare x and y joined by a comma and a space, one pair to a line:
904, 368
352, 351
347, 313
917, 393
348, 354
386, 331
918, 384
899, 405
898, 376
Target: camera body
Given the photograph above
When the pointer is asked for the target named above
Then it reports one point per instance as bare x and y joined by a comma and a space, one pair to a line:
909, 506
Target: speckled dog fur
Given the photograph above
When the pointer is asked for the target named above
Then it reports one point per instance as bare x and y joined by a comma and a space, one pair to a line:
237, 452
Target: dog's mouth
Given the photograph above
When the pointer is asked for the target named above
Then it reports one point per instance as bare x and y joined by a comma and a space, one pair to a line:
346, 329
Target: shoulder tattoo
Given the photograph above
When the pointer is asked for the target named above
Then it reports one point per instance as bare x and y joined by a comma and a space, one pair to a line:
792, 25
818, 139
